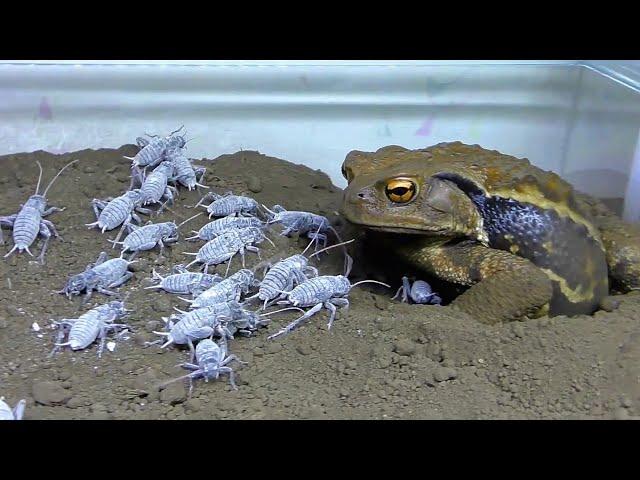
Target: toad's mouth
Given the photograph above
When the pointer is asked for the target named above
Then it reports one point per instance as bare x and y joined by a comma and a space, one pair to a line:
411, 231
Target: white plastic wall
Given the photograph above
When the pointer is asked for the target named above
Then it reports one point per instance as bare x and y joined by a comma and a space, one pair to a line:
563, 117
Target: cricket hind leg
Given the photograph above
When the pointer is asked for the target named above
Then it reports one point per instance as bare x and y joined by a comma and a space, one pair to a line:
98, 205
101, 259
52, 228
297, 321
251, 248
200, 174
137, 178
125, 224
170, 199
46, 234
143, 211
405, 289
59, 335
6, 222
332, 305
122, 280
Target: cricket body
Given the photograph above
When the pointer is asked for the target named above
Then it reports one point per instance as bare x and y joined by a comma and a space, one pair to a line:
327, 291
314, 226
147, 237
195, 325
230, 315
229, 204
184, 282
100, 276
184, 173
209, 315
211, 361
419, 292
28, 223
289, 273
222, 225
152, 151
155, 186
225, 318
230, 289
118, 212
283, 276
224, 247
90, 326
15, 413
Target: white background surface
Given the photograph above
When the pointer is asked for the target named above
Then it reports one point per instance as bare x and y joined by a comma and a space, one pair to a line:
563, 117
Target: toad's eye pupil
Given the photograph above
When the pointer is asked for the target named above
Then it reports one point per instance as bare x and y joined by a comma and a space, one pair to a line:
400, 190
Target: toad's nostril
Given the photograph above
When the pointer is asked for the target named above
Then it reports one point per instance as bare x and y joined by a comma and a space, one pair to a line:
358, 197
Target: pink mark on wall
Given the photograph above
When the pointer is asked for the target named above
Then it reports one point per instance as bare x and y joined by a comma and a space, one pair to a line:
44, 110
426, 128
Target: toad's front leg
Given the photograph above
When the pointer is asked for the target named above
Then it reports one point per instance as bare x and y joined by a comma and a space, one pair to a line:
504, 287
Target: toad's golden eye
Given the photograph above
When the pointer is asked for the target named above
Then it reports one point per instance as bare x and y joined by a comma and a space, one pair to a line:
400, 190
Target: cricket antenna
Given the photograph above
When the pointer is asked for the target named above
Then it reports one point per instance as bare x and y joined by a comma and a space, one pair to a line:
44, 194
39, 177
161, 386
176, 131
281, 310
370, 281
267, 209
332, 246
190, 218
348, 264
269, 240
314, 239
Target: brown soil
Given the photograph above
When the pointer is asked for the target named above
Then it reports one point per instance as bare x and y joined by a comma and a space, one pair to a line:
381, 360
